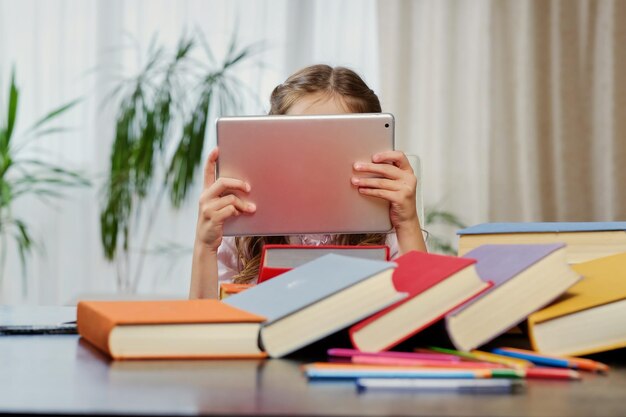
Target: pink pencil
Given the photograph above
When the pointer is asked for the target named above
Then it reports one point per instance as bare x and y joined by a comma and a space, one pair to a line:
381, 360
349, 353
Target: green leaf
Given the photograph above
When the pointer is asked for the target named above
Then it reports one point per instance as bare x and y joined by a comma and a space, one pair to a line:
12, 109
55, 113
6, 194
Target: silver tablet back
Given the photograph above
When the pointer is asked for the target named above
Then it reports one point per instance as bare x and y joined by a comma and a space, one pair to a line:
299, 169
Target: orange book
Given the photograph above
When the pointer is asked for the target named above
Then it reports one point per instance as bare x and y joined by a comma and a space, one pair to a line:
228, 288
181, 329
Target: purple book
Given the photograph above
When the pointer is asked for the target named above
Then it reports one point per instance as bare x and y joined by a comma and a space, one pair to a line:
525, 277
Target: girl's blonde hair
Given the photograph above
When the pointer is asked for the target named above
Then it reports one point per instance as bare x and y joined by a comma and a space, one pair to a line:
343, 85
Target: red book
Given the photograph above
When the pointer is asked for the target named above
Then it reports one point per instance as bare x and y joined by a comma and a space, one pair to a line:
436, 284
277, 259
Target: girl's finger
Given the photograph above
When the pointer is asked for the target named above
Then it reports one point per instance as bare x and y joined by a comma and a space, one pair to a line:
381, 183
390, 196
230, 200
224, 184
209, 168
226, 212
398, 158
391, 172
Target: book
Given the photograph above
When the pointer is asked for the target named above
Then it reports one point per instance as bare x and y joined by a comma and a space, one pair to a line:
526, 278
590, 317
228, 288
277, 259
435, 284
169, 329
317, 299
585, 240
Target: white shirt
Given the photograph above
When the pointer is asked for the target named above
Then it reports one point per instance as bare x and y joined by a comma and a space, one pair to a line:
228, 265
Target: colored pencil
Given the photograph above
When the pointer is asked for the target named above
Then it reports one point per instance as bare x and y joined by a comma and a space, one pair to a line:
477, 355
382, 360
463, 386
351, 371
515, 363
348, 353
552, 360
382, 372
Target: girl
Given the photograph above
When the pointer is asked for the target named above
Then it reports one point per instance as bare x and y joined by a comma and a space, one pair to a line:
318, 89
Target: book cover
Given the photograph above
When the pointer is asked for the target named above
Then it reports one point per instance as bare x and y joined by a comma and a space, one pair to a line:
585, 240
228, 288
522, 284
603, 283
277, 259
96, 320
542, 227
318, 299
417, 273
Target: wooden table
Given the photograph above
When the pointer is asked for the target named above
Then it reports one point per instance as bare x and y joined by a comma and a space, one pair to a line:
62, 374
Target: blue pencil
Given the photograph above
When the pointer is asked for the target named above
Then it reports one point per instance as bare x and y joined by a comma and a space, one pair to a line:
536, 359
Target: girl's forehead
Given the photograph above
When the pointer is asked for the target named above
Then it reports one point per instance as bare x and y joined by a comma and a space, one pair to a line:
318, 103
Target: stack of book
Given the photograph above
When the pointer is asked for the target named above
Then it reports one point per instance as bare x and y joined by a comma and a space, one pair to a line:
312, 293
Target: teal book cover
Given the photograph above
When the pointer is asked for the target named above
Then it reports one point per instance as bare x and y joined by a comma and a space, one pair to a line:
303, 286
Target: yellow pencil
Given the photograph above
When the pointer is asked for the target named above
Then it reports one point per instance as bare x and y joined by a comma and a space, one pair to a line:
501, 359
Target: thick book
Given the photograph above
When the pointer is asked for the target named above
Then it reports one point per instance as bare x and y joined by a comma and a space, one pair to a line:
317, 299
526, 278
229, 288
277, 259
169, 329
435, 284
585, 240
591, 315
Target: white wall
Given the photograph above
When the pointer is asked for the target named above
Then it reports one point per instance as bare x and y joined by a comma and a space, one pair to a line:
63, 49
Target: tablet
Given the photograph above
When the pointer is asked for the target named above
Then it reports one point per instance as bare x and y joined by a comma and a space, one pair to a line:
299, 170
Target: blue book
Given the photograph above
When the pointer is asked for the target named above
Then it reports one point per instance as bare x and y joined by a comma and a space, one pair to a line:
317, 299
585, 240
542, 227
525, 277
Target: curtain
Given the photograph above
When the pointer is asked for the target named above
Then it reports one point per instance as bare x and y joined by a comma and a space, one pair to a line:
66, 49
517, 108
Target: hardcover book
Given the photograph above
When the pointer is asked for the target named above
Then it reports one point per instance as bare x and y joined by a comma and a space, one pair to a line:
526, 278
591, 315
585, 240
435, 284
317, 299
169, 329
277, 259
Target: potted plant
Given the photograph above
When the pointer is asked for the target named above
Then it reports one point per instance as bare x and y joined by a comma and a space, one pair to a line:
23, 174
160, 131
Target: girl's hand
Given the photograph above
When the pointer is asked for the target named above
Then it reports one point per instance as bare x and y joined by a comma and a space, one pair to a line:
217, 204
397, 185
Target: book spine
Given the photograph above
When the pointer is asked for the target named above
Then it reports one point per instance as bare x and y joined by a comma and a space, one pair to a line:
93, 326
